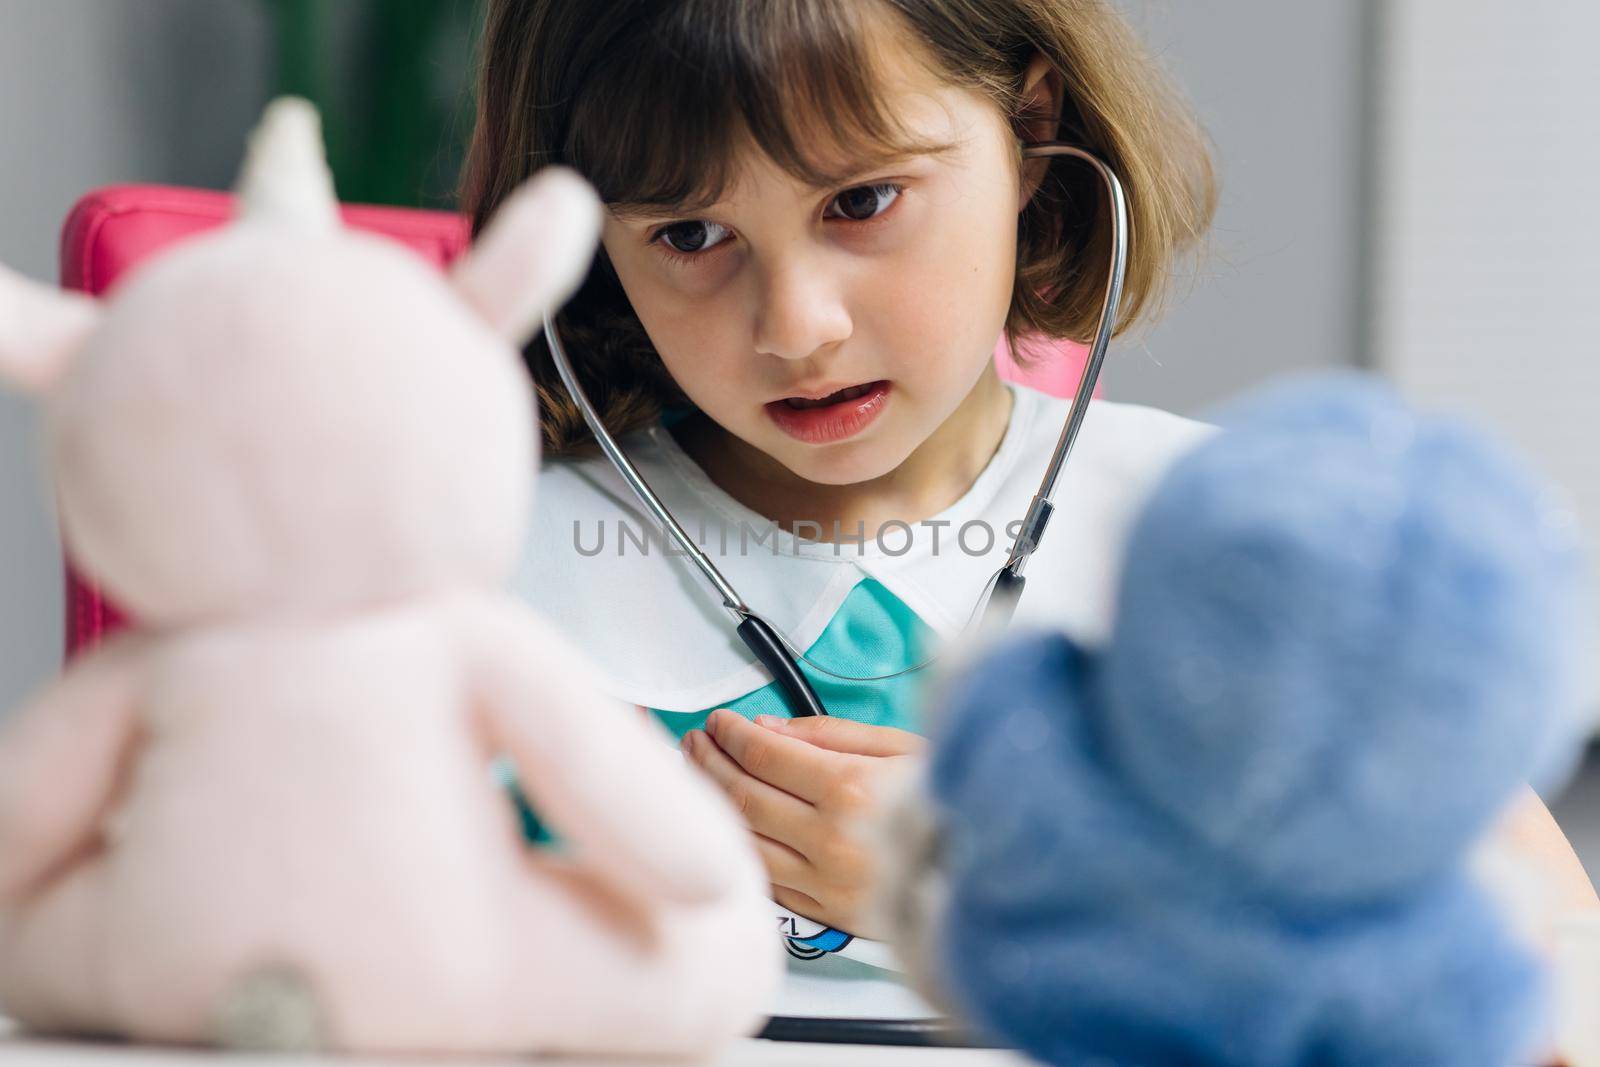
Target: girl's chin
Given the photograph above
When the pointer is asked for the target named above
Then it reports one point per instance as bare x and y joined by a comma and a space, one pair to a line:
845, 463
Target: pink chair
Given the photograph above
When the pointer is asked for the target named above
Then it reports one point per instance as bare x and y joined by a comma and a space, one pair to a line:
112, 230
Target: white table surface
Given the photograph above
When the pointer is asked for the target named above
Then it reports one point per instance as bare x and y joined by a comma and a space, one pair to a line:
21, 1051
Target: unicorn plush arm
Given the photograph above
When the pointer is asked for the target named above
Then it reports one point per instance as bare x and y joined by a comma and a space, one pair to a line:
60, 758
586, 761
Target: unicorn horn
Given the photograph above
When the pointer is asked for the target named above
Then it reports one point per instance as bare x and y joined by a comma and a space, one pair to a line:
285, 179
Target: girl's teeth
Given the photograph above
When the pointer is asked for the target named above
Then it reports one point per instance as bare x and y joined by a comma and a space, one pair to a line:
801, 404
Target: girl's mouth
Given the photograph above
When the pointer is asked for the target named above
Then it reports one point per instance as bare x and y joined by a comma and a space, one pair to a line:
835, 417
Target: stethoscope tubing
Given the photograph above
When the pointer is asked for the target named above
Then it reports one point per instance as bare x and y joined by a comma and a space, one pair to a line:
1001, 595
758, 635
1006, 588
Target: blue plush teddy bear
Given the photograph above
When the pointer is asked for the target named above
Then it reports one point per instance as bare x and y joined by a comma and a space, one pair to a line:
1238, 833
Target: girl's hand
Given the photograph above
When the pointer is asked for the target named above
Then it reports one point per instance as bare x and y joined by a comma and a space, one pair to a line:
805, 788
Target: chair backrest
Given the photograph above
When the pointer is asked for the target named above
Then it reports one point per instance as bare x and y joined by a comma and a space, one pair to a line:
111, 231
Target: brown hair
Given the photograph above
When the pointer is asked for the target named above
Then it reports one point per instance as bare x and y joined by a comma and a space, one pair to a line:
651, 100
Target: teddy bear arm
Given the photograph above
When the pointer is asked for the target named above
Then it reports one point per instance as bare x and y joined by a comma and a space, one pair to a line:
605, 778
62, 755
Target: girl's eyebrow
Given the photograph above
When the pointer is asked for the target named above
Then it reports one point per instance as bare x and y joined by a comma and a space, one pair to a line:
650, 211
656, 210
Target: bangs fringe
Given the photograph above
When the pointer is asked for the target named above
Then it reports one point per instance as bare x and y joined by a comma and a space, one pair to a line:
709, 65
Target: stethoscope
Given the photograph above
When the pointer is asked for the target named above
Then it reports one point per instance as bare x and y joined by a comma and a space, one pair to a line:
994, 608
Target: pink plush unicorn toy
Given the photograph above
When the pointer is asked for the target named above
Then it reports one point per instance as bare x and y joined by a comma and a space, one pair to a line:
266, 816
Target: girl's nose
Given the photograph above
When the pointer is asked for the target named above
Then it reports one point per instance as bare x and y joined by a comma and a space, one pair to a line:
800, 311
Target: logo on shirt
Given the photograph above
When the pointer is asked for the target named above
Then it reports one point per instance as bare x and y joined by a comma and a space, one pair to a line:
894, 538
807, 940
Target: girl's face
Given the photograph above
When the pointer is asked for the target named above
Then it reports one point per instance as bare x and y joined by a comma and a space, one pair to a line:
836, 329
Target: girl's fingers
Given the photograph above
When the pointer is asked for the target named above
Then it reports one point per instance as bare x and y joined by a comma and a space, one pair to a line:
784, 865
798, 902
846, 735
765, 809
789, 763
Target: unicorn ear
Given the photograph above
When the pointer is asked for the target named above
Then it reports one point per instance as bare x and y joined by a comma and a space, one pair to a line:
533, 254
41, 329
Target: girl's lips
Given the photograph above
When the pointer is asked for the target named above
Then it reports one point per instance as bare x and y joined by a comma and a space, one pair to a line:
823, 422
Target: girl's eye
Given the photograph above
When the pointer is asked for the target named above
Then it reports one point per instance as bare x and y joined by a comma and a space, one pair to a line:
692, 236
863, 202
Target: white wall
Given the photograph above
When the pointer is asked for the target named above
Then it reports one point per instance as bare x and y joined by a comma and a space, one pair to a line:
1488, 268
1282, 88
95, 92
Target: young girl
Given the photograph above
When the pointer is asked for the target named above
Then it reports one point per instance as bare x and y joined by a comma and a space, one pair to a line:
820, 222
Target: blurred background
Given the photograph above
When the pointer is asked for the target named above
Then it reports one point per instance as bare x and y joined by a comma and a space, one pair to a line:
1406, 186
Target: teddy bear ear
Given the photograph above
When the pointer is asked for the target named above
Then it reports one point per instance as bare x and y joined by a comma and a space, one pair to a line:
41, 329
534, 253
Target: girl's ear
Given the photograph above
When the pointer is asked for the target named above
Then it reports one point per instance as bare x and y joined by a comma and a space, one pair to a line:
41, 329
533, 254
1038, 119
